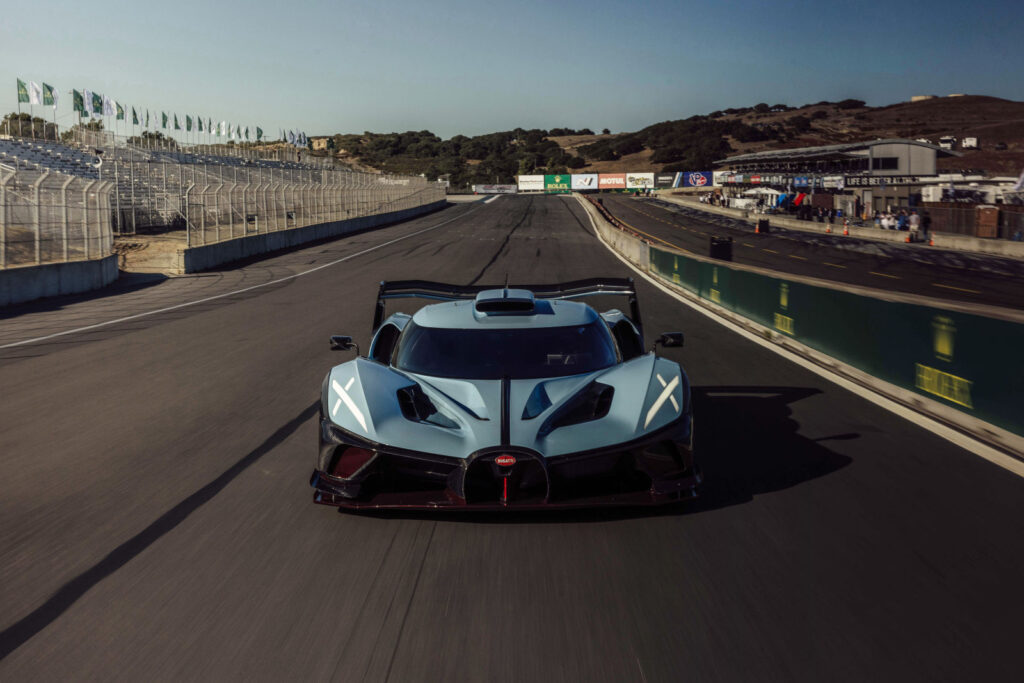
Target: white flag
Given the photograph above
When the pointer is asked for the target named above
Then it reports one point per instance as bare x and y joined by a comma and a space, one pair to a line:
35, 93
231, 132
291, 137
108, 107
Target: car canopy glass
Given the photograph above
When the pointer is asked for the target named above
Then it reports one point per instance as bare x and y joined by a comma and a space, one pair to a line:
516, 353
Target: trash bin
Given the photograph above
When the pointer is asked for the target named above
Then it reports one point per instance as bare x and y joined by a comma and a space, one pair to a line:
721, 248
762, 225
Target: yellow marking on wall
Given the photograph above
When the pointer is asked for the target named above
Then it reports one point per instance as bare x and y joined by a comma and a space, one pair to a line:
676, 279
714, 275
950, 387
834, 265
891, 277
943, 334
800, 258
716, 296
784, 295
783, 323
770, 251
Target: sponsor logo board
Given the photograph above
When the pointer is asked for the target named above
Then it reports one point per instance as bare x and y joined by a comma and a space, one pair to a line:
720, 178
611, 181
557, 183
530, 182
665, 179
697, 179
584, 181
637, 181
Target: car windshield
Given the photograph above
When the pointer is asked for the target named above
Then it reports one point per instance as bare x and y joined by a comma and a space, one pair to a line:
521, 353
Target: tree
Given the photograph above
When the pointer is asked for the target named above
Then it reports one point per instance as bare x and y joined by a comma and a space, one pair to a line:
762, 108
576, 162
27, 126
850, 104
605, 131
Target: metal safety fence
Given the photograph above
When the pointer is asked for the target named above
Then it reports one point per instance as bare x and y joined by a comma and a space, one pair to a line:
50, 217
220, 208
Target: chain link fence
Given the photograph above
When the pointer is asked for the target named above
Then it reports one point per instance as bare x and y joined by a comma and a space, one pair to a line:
50, 217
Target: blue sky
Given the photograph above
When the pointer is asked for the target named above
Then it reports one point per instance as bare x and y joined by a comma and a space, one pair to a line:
476, 67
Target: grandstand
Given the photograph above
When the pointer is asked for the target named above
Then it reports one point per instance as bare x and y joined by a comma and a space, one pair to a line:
42, 155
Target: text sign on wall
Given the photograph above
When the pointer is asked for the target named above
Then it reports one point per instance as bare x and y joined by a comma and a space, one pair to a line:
531, 182
584, 181
639, 181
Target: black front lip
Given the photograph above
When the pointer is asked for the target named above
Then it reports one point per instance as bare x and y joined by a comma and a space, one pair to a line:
443, 483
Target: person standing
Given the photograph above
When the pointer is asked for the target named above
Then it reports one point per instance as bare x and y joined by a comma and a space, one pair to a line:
914, 221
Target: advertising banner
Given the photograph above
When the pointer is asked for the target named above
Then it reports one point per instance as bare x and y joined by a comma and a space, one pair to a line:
639, 181
584, 181
531, 182
494, 189
665, 180
697, 179
720, 178
611, 181
557, 183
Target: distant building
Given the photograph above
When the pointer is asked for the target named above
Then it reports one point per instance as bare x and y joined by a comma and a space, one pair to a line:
969, 143
922, 98
319, 143
947, 142
956, 94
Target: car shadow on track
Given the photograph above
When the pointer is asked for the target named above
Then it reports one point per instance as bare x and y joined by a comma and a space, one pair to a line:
746, 444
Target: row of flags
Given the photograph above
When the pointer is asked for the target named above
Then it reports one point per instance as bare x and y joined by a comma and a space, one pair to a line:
92, 104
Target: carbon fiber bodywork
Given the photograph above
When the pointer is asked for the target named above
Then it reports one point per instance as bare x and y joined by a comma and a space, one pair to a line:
654, 470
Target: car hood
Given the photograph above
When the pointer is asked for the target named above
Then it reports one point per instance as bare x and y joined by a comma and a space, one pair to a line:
363, 398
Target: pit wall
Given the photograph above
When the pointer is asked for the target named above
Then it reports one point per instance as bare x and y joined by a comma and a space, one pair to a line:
25, 283
196, 259
956, 367
940, 240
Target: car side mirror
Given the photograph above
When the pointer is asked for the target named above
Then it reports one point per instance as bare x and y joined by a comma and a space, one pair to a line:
669, 340
342, 343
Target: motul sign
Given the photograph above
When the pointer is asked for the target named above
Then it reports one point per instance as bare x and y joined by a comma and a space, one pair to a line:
611, 181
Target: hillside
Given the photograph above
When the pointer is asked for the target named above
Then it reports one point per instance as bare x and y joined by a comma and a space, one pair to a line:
696, 142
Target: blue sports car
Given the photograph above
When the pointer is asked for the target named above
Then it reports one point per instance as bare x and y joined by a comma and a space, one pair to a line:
510, 397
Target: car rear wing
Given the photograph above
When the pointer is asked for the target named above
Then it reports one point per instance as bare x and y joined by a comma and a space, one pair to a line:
576, 289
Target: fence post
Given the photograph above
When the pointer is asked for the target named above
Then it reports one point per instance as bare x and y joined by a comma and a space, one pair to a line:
85, 216
188, 224
64, 214
117, 196
39, 215
3, 220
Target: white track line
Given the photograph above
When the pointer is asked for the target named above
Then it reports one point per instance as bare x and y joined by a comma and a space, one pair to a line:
237, 291
919, 420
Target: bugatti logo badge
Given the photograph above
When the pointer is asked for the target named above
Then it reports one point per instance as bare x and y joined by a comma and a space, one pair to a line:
506, 460
698, 179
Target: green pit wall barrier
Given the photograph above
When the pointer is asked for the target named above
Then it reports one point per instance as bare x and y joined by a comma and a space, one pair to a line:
970, 362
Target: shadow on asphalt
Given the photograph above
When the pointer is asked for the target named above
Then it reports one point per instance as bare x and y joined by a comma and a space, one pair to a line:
124, 284
747, 445
15, 635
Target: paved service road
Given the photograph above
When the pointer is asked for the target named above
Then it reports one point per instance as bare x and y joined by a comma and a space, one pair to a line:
891, 266
156, 521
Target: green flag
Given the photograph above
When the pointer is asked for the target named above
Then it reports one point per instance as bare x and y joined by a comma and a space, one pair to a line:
147, 118
49, 95
247, 132
22, 91
97, 104
259, 133
238, 131
177, 126
188, 123
163, 118
199, 119
78, 102
120, 112
135, 117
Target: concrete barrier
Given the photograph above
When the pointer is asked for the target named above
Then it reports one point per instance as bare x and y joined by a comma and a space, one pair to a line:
25, 283
994, 247
196, 259
634, 249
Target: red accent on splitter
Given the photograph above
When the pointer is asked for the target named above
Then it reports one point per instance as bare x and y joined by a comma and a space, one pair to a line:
506, 460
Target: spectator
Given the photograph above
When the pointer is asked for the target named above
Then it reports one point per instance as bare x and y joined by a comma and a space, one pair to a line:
914, 222
926, 223
878, 219
901, 220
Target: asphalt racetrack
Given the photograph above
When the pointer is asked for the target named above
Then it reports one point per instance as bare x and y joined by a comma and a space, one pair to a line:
917, 269
156, 521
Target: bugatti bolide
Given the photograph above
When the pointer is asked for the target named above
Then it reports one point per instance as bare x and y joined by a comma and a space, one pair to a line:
510, 397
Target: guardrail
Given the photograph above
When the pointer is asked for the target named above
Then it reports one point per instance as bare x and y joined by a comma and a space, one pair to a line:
963, 363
